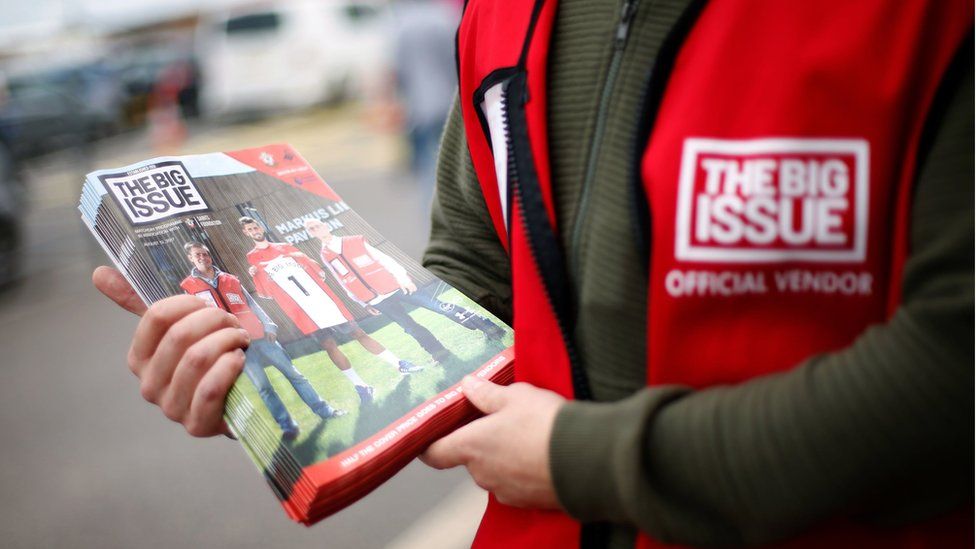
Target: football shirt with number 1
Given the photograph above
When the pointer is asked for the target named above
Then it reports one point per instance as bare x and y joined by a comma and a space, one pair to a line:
292, 279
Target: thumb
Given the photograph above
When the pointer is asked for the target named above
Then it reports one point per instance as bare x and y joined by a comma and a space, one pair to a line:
111, 283
485, 395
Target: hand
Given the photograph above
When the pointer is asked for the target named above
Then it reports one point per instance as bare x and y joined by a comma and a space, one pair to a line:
373, 310
186, 355
507, 451
252, 270
408, 287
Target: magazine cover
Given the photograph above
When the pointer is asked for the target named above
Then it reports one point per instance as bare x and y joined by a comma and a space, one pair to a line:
356, 350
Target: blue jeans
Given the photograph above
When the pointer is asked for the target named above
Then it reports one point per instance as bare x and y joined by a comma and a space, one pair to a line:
262, 353
424, 142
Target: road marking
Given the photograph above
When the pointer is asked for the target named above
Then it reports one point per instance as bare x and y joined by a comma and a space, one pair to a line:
451, 524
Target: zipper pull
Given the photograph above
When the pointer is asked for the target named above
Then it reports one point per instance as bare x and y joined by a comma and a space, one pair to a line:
626, 16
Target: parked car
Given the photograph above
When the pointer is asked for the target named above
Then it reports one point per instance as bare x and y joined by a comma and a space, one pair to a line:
96, 85
11, 207
139, 71
44, 112
290, 55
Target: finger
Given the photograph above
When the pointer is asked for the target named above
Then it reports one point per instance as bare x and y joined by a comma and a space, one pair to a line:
444, 453
176, 343
111, 283
456, 448
157, 321
196, 362
206, 417
485, 395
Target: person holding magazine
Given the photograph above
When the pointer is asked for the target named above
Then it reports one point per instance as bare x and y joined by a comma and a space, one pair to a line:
224, 291
668, 238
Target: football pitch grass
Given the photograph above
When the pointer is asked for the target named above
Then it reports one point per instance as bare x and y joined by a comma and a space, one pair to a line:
394, 395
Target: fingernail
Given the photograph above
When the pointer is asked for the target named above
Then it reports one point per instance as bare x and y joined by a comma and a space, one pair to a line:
247, 336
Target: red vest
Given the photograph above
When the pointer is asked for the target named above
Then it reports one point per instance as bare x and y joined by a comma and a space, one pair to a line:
358, 271
778, 169
228, 296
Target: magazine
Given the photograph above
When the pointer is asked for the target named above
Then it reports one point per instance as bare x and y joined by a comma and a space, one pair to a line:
356, 350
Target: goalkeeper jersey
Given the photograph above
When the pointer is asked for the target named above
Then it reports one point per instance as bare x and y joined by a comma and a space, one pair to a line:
292, 279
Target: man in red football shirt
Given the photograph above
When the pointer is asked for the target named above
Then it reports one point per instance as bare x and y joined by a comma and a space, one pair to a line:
297, 283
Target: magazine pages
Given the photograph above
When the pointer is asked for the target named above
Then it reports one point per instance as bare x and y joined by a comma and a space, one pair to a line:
356, 350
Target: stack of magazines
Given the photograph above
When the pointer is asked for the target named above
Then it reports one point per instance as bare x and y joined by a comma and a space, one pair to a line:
356, 351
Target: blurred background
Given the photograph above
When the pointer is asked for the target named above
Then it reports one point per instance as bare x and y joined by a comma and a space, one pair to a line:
360, 88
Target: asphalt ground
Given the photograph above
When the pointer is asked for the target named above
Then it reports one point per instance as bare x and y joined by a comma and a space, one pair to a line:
87, 463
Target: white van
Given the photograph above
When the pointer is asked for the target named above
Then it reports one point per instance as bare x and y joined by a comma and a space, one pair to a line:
288, 55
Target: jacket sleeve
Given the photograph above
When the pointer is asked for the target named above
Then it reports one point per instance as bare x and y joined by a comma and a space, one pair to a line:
880, 431
464, 249
269, 325
260, 286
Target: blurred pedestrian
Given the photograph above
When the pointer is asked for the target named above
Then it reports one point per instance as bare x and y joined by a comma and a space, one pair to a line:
166, 126
426, 79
